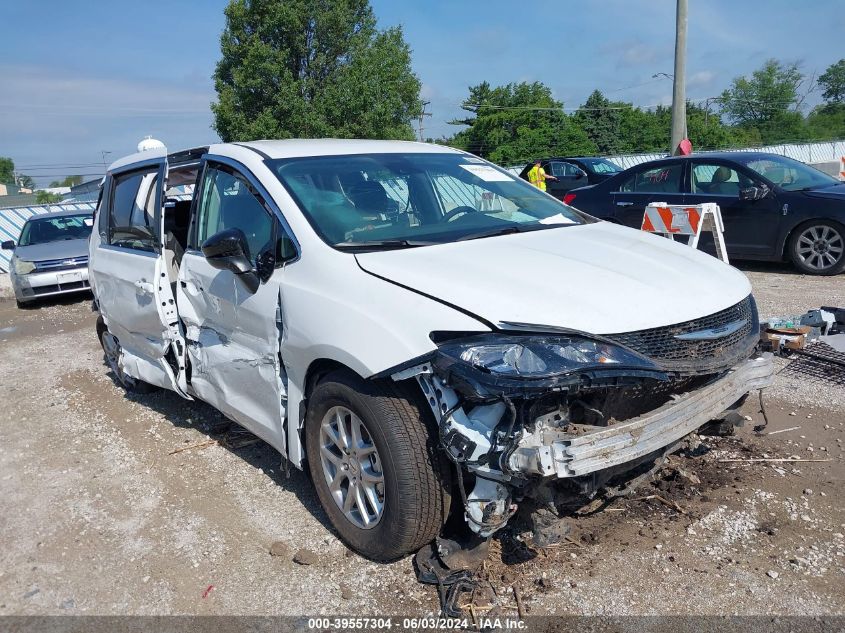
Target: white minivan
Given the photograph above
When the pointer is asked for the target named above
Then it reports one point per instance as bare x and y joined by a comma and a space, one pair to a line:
419, 329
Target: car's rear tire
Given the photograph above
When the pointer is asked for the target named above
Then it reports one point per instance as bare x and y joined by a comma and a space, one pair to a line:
817, 247
388, 439
111, 350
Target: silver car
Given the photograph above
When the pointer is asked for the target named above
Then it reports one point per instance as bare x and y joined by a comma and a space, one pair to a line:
51, 256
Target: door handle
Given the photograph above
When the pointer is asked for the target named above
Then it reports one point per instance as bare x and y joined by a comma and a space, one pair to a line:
144, 287
624, 204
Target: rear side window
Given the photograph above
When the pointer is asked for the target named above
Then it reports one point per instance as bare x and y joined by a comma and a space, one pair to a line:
564, 170
663, 179
132, 211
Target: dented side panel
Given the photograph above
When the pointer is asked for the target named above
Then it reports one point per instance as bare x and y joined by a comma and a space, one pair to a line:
233, 345
134, 295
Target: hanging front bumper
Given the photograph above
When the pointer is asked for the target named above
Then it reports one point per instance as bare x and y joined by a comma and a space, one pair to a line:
553, 453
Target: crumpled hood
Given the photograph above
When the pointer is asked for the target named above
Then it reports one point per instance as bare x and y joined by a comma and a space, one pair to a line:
600, 278
63, 249
836, 192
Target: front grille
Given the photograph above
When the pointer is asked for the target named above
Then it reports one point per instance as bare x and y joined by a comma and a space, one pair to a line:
65, 287
690, 356
51, 265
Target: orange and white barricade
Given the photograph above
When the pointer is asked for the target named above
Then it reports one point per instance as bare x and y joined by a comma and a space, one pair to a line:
671, 220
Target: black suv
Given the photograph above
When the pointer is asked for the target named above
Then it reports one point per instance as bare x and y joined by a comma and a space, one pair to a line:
572, 173
774, 208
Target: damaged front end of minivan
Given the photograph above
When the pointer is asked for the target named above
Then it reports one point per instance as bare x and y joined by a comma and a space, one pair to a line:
542, 415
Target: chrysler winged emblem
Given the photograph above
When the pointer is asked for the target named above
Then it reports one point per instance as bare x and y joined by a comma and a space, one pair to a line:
713, 333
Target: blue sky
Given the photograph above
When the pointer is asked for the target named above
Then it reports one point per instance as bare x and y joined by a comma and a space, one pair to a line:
79, 78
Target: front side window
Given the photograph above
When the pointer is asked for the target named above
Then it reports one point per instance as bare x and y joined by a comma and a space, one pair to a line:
56, 229
663, 179
414, 199
228, 202
718, 180
132, 211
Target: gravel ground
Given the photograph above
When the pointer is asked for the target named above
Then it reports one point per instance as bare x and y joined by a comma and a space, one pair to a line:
118, 504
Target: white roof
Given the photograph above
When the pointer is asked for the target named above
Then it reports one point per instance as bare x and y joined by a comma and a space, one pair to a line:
158, 152
290, 148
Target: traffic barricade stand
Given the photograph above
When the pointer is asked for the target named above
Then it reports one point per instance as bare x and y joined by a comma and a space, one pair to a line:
670, 220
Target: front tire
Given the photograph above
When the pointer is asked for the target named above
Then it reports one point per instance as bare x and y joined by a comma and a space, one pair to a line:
817, 247
375, 463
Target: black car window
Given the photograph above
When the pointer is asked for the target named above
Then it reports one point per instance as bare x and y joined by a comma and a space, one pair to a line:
132, 211
600, 166
720, 180
563, 170
663, 179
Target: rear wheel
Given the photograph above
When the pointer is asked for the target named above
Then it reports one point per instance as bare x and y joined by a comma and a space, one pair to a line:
112, 351
818, 247
375, 464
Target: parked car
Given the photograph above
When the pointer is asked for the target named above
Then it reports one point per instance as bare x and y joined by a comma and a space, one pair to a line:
414, 325
51, 255
774, 208
572, 173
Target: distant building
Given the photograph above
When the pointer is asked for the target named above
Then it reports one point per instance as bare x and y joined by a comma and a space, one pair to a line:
84, 192
11, 190
14, 196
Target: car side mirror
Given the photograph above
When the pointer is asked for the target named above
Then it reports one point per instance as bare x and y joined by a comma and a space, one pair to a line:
754, 193
8, 245
227, 250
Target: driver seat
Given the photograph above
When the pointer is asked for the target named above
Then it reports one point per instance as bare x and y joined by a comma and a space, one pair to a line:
369, 197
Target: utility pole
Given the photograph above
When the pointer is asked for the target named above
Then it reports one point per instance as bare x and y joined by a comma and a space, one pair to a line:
679, 105
423, 114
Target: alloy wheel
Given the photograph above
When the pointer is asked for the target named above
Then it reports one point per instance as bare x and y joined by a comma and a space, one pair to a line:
820, 247
352, 467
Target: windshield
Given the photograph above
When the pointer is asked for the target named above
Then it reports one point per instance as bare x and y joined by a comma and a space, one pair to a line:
601, 165
787, 173
398, 200
56, 229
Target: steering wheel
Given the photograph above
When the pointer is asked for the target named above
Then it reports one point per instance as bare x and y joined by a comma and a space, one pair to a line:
451, 215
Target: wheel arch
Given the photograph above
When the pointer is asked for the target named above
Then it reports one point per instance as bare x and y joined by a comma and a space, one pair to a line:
318, 369
783, 248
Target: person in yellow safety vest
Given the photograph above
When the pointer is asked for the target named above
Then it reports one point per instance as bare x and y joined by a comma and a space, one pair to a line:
537, 176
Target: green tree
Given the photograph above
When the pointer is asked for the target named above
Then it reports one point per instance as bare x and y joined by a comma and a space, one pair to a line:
517, 122
769, 101
602, 120
45, 197
645, 130
69, 181
832, 82
312, 68
7, 171
827, 122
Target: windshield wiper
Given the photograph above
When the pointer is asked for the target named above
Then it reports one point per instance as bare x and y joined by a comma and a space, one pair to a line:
504, 230
379, 244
